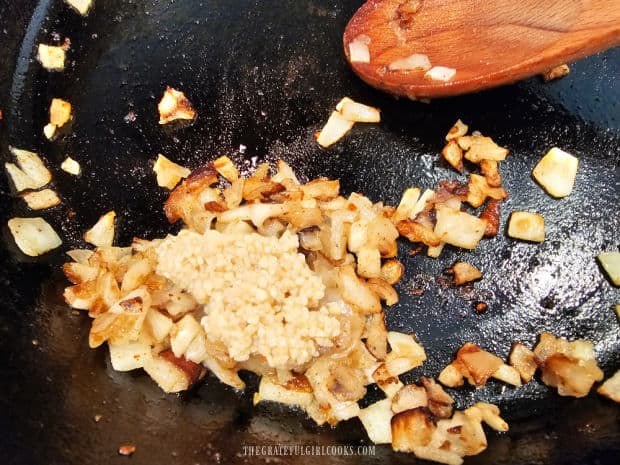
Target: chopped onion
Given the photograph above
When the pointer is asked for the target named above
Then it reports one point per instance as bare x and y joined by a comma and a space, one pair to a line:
556, 172
410, 63
440, 73
358, 112
358, 49
51, 57
334, 130
81, 6
71, 166
169, 173
33, 236
527, 226
611, 264
39, 200
376, 419
102, 233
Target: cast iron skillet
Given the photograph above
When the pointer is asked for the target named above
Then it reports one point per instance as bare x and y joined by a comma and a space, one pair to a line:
266, 75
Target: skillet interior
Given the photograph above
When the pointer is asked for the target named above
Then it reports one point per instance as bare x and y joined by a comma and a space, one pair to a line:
266, 75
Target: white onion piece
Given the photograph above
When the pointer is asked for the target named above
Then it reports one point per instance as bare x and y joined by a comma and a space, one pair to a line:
334, 130
358, 49
410, 63
33, 236
440, 73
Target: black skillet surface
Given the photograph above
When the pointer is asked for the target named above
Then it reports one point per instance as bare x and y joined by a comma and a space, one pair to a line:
266, 75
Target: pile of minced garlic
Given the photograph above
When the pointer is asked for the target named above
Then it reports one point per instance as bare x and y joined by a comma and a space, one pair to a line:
259, 295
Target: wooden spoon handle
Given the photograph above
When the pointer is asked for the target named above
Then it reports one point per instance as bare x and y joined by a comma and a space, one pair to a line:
488, 42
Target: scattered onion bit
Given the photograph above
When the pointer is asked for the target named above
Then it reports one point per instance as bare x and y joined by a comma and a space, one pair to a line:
556, 73
169, 173
40, 200
417, 61
226, 168
611, 387
51, 57
458, 130
526, 226
173, 106
33, 236
60, 112
464, 273
31, 173
81, 6
569, 366
126, 450
71, 166
358, 112
102, 233
334, 130
358, 49
440, 73
610, 261
556, 172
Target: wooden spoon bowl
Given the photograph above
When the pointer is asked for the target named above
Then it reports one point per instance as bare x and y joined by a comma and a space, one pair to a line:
488, 42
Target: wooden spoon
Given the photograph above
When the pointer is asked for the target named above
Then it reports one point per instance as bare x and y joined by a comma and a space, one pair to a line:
487, 42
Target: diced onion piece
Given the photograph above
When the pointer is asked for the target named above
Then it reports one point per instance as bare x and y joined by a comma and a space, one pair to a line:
407, 204
60, 112
129, 356
392, 271
51, 57
174, 105
526, 226
376, 419
556, 172
440, 73
334, 130
611, 388
158, 324
459, 228
80, 255
81, 6
405, 355
411, 428
434, 454
102, 233
523, 360
369, 263
270, 390
458, 130
417, 61
70, 166
169, 173
610, 262
358, 112
31, 164
33, 236
21, 180
355, 292
488, 413
182, 334
358, 49
226, 168
508, 375
166, 374
39, 200
479, 148
49, 130
453, 154
409, 397
451, 376
465, 273
556, 73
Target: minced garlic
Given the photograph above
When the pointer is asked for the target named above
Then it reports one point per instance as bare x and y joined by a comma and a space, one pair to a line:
259, 295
